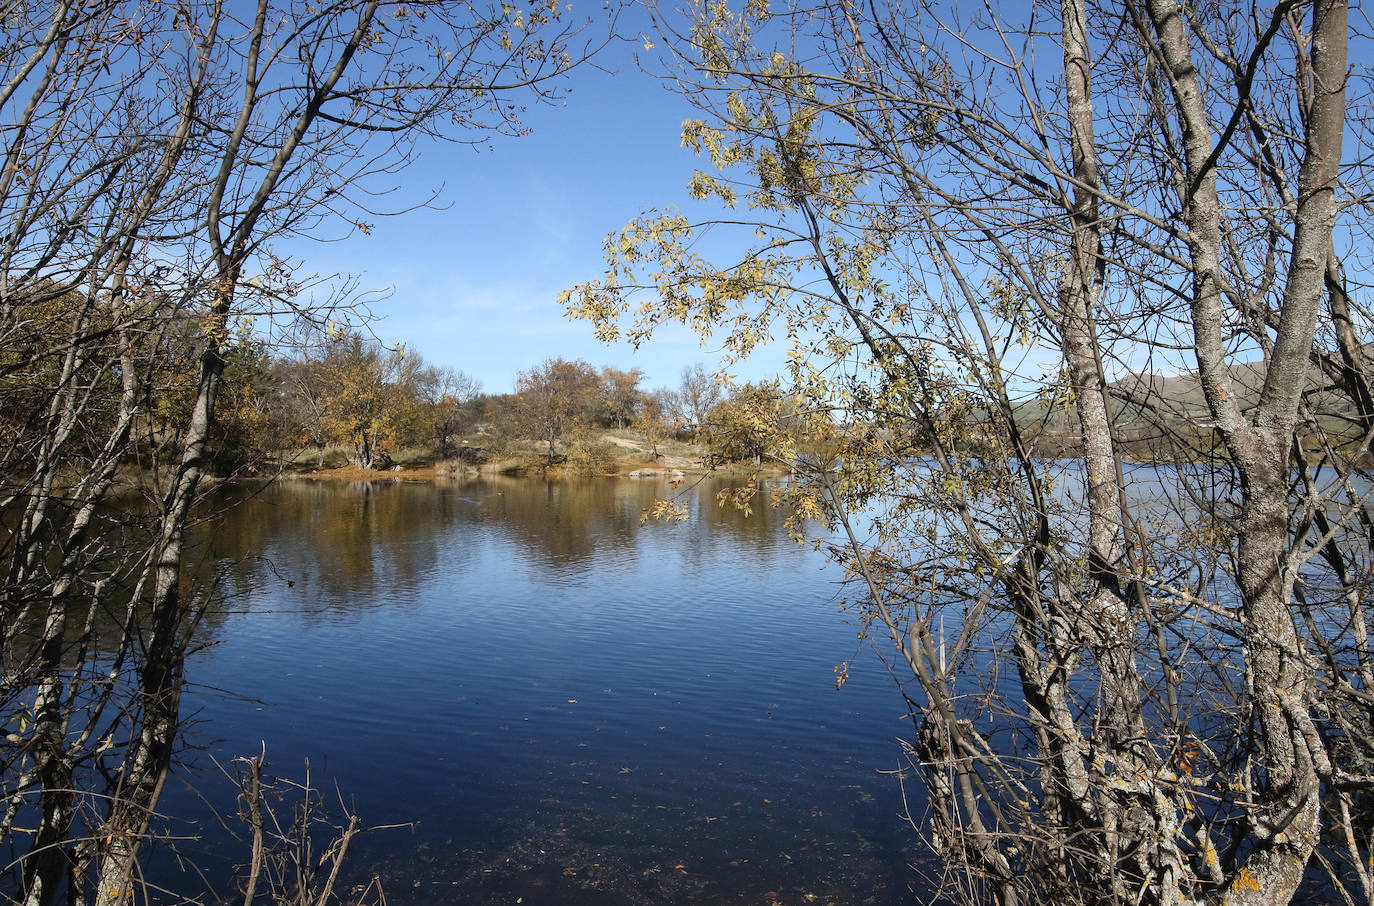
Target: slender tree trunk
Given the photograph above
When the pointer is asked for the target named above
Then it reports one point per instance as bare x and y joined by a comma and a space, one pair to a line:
1287, 809
159, 705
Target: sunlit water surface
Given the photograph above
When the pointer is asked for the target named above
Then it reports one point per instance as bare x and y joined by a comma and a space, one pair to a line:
569, 707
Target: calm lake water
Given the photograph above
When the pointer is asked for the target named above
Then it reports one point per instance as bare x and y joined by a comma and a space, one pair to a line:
570, 707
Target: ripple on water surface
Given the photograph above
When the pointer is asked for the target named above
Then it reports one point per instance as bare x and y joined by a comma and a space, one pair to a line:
570, 707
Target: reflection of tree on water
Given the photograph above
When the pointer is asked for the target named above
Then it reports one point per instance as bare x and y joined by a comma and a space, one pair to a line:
559, 524
328, 541
332, 539
567, 521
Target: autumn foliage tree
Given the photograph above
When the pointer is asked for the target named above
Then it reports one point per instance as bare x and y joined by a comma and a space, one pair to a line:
371, 396
553, 397
621, 398
249, 419
1131, 682
750, 424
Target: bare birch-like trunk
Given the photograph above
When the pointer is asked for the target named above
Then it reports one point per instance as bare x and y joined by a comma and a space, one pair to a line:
1285, 819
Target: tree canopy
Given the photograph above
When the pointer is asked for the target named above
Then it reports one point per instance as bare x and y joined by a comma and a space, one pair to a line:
156, 157
1132, 680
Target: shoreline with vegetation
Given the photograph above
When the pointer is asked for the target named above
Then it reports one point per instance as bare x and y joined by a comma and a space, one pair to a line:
631, 461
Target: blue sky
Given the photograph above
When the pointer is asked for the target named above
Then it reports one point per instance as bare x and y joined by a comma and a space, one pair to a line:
475, 285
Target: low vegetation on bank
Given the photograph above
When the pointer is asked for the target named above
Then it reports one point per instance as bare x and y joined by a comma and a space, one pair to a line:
624, 453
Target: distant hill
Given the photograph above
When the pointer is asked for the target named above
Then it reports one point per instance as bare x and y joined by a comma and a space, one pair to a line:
1162, 416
